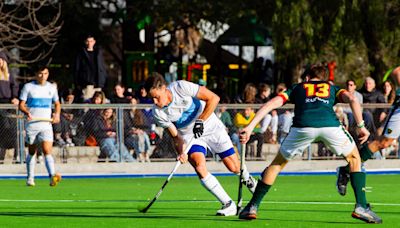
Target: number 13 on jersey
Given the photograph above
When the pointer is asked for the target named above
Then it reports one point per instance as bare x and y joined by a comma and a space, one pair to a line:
317, 90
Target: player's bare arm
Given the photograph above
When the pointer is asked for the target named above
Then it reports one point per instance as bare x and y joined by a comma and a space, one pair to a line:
56, 115
24, 109
211, 100
178, 143
274, 103
355, 106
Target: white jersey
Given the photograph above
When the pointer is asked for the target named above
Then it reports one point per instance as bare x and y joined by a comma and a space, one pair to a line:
39, 98
182, 112
183, 109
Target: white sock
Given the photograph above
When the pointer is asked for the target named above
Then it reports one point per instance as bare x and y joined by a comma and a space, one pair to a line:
30, 165
246, 174
49, 160
212, 185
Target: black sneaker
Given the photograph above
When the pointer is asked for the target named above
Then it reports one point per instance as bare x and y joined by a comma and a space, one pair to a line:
365, 214
343, 178
249, 212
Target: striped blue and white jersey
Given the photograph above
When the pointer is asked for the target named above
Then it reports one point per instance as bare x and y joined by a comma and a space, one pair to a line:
39, 98
184, 108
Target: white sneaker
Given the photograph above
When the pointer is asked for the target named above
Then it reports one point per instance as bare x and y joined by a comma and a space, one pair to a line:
228, 209
30, 182
251, 184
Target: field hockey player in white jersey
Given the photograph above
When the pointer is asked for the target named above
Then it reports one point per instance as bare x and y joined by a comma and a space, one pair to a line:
186, 110
36, 101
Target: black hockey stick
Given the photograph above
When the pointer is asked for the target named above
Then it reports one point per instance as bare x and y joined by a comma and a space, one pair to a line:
178, 163
240, 191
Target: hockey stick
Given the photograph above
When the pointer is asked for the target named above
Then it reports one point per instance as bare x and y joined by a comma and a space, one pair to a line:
15, 116
240, 192
178, 163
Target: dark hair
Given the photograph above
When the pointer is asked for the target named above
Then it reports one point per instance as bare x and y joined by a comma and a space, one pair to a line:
318, 71
41, 68
89, 35
350, 80
155, 81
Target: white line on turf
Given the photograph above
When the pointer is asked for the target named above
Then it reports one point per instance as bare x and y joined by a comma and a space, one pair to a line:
185, 201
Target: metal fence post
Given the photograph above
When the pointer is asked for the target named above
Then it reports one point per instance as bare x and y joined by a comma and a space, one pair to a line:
20, 138
120, 130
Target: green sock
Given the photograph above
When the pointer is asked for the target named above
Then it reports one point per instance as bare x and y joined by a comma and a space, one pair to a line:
358, 180
259, 193
365, 153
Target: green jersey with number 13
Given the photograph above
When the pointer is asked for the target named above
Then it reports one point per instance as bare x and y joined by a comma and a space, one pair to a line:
314, 101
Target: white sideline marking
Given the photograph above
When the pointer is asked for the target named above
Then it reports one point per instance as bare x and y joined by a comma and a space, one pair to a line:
185, 201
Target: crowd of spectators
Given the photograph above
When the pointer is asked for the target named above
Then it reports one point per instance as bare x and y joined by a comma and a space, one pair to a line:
96, 126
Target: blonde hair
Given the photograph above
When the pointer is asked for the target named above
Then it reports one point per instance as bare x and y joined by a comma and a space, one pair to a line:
4, 74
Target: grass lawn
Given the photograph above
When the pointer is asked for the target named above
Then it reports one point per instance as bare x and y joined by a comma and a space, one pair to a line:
294, 201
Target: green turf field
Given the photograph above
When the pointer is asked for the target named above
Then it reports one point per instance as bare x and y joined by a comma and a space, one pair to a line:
294, 201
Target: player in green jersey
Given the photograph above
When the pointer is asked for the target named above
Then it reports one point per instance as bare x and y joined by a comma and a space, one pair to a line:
314, 120
391, 133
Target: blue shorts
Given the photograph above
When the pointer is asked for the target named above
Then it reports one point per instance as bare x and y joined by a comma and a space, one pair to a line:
201, 149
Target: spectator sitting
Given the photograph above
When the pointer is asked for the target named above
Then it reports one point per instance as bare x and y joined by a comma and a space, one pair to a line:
248, 96
284, 123
105, 134
242, 119
374, 116
85, 129
119, 95
136, 136
66, 130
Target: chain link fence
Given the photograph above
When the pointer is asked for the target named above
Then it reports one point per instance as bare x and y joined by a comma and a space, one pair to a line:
124, 133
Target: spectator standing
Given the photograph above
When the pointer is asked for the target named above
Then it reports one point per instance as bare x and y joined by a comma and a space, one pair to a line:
8, 95
35, 102
90, 70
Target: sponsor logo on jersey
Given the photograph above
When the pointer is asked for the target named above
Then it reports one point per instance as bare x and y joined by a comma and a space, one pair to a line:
314, 99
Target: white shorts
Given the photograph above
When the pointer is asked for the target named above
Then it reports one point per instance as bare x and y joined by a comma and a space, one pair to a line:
214, 137
393, 126
337, 139
39, 132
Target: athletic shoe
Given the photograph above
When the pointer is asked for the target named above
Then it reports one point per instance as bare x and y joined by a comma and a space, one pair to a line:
249, 212
365, 214
343, 178
55, 179
228, 209
30, 182
251, 184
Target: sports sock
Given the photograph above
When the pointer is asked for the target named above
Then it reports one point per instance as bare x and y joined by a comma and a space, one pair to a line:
358, 180
365, 153
259, 193
30, 165
246, 174
49, 160
212, 185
